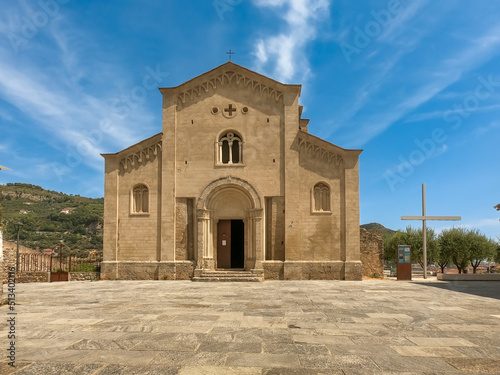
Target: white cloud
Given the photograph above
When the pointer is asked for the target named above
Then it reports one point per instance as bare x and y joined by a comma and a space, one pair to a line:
60, 111
433, 83
285, 51
393, 29
482, 130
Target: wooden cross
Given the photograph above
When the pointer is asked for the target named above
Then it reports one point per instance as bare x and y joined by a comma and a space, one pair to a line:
230, 110
424, 218
230, 53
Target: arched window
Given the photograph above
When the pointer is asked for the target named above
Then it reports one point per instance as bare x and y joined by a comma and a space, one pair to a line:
321, 198
230, 148
140, 199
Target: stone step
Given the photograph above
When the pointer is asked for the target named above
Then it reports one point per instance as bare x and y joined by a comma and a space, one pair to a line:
228, 276
229, 273
227, 279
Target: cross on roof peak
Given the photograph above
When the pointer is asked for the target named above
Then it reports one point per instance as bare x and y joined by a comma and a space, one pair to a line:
230, 53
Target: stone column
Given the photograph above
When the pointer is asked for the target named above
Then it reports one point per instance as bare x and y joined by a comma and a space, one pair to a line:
205, 252
258, 233
168, 177
249, 239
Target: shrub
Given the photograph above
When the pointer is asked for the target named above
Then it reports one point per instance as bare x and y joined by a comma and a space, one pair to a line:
85, 267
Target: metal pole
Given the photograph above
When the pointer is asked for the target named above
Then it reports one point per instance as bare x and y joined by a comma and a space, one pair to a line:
424, 230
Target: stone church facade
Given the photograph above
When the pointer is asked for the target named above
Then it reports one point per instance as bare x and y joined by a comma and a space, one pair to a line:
233, 184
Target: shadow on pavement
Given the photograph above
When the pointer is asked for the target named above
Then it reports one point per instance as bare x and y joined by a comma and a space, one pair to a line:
490, 289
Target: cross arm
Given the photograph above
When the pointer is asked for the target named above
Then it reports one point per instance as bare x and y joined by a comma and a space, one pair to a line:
446, 218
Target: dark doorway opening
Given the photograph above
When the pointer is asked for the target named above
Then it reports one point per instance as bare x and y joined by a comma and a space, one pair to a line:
231, 244
237, 244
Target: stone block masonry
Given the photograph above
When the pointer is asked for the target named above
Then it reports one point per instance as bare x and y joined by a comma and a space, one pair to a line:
372, 253
84, 276
33, 277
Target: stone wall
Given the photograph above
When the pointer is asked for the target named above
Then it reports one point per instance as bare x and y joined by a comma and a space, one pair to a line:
372, 253
32, 277
84, 276
9, 256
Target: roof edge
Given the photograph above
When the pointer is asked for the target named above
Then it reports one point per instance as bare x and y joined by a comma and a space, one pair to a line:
139, 144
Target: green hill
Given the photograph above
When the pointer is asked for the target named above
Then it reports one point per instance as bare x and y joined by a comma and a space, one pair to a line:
44, 222
378, 228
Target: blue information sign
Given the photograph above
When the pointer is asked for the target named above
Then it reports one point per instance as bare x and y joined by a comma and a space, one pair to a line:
404, 254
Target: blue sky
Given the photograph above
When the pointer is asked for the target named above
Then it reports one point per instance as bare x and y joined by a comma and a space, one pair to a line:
416, 84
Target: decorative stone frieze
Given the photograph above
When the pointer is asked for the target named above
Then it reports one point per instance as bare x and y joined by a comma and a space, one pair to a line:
140, 157
310, 149
230, 78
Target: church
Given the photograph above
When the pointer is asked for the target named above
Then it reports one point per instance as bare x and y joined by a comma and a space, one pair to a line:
233, 188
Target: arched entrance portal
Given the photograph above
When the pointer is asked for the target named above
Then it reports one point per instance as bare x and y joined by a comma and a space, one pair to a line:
229, 214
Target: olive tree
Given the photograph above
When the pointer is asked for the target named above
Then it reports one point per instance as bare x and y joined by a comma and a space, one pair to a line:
481, 248
443, 257
391, 242
414, 238
456, 242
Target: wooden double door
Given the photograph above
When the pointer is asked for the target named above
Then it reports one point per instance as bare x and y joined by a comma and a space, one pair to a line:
230, 244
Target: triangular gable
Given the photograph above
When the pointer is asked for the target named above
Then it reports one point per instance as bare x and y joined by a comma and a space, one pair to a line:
229, 74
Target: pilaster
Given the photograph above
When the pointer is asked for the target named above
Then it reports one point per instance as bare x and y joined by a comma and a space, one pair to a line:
168, 176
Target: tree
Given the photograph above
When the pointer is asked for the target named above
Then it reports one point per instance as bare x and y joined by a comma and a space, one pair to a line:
414, 238
444, 255
455, 242
481, 248
391, 242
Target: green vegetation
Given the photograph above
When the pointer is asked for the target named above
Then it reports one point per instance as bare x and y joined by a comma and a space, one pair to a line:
44, 226
462, 247
414, 238
85, 267
467, 247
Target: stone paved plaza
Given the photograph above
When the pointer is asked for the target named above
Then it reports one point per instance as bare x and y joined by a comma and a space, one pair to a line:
276, 327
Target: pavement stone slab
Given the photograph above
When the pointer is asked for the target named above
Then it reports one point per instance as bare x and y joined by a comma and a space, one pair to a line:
475, 365
297, 348
139, 370
58, 368
212, 370
301, 371
397, 363
486, 353
440, 341
171, 357
278, 327
422, 351
102, 344
263, 359
340, 361
233, 347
